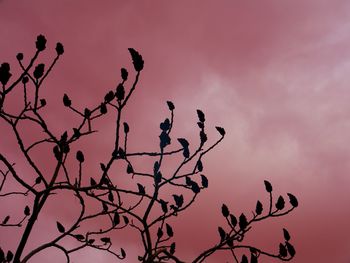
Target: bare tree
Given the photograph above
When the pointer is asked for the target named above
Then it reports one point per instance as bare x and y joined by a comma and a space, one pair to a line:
146, 207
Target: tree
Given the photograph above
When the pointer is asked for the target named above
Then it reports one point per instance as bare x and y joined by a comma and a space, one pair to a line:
145, 207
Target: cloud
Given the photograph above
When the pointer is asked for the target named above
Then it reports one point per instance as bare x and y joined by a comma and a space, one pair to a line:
274, 74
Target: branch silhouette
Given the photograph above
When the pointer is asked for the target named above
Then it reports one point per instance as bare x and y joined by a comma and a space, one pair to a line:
144, 208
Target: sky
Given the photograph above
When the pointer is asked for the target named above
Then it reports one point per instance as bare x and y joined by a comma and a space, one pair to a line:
274, 73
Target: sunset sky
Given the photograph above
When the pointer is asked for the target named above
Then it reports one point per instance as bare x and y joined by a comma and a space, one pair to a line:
274, 73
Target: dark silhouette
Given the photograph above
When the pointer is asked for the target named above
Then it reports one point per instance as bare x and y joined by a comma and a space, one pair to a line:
150, 210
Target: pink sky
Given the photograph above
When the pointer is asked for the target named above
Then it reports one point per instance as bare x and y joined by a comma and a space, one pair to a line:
274, 73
